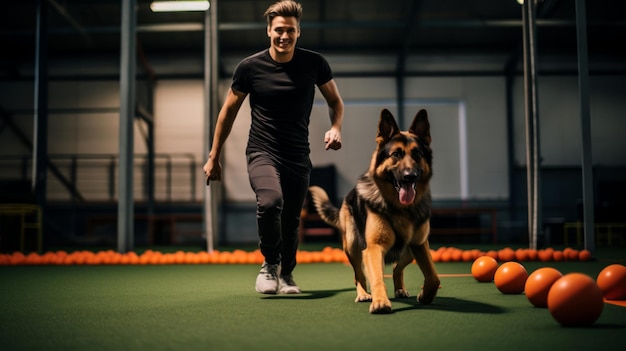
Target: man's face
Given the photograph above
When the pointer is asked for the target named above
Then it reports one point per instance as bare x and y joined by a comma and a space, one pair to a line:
283, 33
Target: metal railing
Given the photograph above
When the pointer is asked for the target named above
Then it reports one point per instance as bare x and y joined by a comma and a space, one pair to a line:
94, 177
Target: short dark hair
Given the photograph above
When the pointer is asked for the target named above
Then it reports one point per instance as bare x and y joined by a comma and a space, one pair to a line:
283, 8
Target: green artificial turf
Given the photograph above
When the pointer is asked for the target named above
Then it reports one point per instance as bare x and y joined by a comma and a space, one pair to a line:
215, 307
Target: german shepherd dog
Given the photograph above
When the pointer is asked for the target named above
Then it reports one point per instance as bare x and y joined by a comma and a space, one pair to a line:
385, 218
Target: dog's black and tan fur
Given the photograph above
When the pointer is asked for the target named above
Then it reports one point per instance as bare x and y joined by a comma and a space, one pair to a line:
386, 217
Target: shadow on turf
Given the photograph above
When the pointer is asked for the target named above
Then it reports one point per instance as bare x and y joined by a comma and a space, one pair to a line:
608, 326
310, 295
450, 304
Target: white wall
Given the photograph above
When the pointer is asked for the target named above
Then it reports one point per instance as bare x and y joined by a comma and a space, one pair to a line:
179, 129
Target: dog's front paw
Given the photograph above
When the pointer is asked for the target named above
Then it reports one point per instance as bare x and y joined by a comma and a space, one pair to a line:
402, 293
363, 298
380, 306
428, 293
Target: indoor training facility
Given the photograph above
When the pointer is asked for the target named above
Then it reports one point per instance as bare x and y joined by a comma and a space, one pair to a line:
107, 114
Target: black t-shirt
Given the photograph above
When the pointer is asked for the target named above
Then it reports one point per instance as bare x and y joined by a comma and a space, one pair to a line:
281, 99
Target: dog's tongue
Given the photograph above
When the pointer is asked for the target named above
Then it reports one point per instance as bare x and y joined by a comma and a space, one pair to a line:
406, 194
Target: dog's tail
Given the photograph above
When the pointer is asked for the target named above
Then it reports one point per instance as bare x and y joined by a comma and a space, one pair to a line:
326, 210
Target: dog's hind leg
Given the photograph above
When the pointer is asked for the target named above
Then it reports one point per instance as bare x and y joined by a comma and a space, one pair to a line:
431, 279
356, 260
398, 274
353, 251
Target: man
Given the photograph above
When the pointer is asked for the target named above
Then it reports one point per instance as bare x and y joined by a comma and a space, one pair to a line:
281, 83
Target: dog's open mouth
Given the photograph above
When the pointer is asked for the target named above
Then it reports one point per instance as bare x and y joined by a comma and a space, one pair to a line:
406, 192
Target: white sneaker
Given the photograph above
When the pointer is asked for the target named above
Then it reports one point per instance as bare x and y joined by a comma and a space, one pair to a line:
267, 280
288, 286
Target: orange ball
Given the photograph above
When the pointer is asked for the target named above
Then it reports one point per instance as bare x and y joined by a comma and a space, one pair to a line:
538, 285
484, 268
446, 256
506, 254
612, 282
476, 253
492, 253
545, 255
585, 255
521, 255
572, 255
457, 255
467, 256
558, 256
510, 278
575, 300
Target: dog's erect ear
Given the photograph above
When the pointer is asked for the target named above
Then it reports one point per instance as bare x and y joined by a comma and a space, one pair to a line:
421, 126
387, 127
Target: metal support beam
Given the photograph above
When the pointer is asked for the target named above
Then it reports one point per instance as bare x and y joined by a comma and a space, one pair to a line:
63, 12
533, 167
510, 72
325, 24
40, 132
411, 28
585, 123
511, 63
128, 58
211, 109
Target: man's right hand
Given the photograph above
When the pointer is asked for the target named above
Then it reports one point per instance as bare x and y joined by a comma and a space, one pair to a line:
212, 171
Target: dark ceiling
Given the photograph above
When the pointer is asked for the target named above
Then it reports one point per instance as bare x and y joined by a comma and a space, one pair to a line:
397, 28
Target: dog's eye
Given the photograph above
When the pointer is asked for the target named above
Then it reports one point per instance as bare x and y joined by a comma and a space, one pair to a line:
397, 154
417, 154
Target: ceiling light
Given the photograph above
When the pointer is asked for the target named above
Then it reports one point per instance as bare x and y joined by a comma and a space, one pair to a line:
179, 6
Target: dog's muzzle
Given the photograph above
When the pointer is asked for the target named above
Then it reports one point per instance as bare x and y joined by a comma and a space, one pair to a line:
405, 186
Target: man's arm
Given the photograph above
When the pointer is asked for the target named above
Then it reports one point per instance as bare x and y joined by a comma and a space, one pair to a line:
332, 138
225, 119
